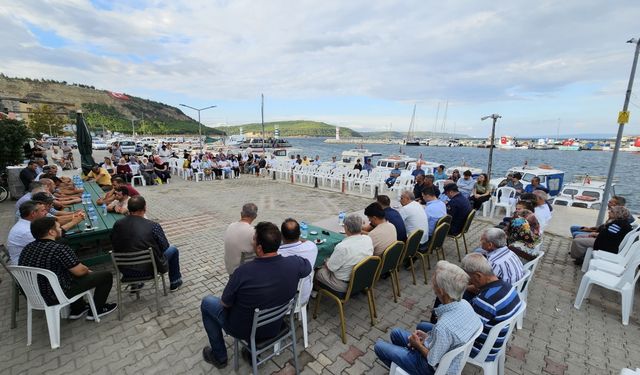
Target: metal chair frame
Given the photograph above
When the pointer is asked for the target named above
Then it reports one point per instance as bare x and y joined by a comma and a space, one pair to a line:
465, 229
5, 258
391, 261
368, 287
435, 243
137, 258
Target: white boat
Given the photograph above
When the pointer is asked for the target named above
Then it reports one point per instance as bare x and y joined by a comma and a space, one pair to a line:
633, 147
348, 158
550, 178
236, 140
585, 191
506, 143
543, 144
390, 162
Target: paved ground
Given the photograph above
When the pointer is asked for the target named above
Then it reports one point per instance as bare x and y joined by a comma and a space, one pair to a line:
556, 338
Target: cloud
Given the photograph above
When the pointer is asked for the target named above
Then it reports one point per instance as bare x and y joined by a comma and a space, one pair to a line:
472, 53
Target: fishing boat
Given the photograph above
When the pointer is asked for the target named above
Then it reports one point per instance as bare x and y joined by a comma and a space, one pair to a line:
633, 147
543, 144
570, 145
390, 162
584, 191
506, 143
348, 158
550, 178
269, 143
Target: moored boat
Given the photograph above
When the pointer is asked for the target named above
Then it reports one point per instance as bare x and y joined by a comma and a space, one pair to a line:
584, 191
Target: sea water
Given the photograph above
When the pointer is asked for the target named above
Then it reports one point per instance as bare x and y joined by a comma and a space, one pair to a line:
594, 163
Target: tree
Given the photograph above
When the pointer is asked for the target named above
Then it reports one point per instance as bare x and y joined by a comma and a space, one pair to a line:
44, 120
13, 135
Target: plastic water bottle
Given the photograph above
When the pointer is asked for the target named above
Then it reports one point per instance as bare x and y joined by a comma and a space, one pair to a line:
104, 209
304, 230
93, 216
341, 216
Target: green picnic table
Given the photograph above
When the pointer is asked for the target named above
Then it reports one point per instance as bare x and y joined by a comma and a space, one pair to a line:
326, 248
80, 236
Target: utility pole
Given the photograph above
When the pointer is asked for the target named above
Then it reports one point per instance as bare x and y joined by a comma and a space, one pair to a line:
199, 123
495, 118
623, 118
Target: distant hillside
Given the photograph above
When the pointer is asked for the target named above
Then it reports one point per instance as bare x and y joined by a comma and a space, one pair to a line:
101, 108
387, 134
297, 128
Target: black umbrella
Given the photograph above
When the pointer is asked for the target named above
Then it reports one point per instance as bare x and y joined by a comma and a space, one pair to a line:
83, 137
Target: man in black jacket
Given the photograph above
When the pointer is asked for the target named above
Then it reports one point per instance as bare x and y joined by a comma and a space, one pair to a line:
136, 233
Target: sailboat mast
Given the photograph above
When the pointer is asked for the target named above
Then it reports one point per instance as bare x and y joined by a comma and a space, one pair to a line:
435, 124
410, 135
444, 118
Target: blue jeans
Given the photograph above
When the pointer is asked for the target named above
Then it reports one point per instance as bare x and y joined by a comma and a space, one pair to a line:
576, 230
397, 352
173, 260
214, 317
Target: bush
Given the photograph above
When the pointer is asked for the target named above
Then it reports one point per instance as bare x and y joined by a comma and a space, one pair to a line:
13, 135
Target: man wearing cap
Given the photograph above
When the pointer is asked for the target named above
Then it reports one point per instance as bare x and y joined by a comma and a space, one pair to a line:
458, 207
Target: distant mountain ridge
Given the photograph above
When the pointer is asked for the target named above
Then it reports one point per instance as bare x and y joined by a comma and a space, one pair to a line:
102, 108
296, 128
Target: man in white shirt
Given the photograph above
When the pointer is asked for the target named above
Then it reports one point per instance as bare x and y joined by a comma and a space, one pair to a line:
20, 234
383, 234
336, 271
238, 239
414, 216
292, 245
466, 184
164, 153
542, 211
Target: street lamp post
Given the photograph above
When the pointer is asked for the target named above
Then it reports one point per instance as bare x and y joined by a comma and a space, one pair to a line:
199, 123
623, 118
133, 129
495, 118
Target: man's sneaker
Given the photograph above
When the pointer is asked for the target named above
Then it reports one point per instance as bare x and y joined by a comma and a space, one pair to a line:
78, 314
207, 354
174, 286
107, 309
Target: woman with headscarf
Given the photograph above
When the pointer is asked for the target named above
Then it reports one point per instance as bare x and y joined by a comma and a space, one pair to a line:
123, 170
147, 171
607, 237
161, 169
523, 231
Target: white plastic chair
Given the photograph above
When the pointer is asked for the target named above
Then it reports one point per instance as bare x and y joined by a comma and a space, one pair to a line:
486, 208
623, 251
628, 371
440, 185
445, 361
618, 268
505, 198
199, 176
140, 180
497, 365
623, 284
27, 277
522, 287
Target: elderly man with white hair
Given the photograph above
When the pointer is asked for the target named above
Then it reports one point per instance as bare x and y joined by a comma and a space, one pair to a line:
505, 263
336, 271
420, 352
542, 210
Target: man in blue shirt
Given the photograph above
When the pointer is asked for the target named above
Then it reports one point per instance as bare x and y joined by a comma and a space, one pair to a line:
269, 280
458, 207
418, 171
435, 208
420, 352
535, 185
495, 302
393, 176
393, 216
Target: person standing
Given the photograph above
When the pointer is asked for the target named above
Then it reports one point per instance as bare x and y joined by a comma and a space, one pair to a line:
238, 238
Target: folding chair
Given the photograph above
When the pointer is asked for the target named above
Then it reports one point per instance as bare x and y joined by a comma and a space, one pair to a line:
435, 243
462, 233
391, 258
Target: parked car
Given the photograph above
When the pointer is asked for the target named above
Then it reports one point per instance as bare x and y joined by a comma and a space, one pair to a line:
98, 144
128, 147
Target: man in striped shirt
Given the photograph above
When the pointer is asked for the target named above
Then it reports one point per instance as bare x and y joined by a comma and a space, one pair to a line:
505, 263
496, 301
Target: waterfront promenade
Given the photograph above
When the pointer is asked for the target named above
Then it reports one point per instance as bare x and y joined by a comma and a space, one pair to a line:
555, 339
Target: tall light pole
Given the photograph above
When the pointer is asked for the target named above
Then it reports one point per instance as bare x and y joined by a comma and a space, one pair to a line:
133, 129
623, 118
199, 123
495, 118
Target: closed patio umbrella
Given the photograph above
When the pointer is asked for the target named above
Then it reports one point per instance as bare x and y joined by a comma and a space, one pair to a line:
83, 137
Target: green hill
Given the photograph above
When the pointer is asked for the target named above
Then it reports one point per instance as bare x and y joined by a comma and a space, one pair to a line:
297, 128
100, 107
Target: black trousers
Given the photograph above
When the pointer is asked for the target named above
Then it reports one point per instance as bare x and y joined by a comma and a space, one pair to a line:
100, 280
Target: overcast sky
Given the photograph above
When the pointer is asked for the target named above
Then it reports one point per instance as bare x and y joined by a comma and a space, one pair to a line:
542, 65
